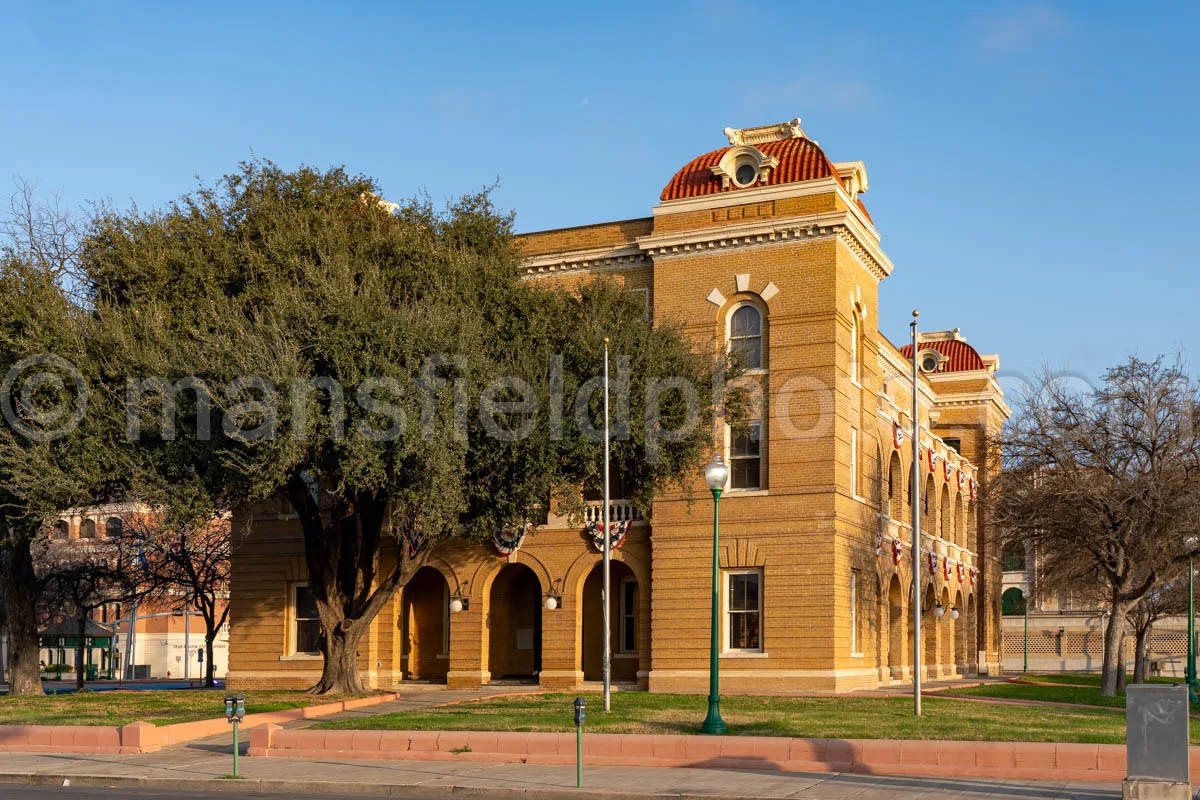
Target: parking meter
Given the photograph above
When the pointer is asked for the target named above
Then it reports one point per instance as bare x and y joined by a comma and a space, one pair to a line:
580, 710
580, 714
235, 712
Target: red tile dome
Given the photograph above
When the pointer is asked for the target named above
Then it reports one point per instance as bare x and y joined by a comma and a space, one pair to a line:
800, 159
961, 357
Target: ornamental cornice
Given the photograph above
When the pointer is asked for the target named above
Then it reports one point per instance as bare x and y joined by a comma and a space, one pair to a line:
594, 260
840, 225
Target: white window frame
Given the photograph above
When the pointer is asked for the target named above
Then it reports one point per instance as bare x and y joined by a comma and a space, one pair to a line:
855, 650
726, 612
294, 622
855, 359
761, 369
761, 457
625, 612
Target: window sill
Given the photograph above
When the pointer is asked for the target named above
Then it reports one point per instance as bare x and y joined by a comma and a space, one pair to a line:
745, 493
627, 656
743, 654
755, 371
301, 657
857, 655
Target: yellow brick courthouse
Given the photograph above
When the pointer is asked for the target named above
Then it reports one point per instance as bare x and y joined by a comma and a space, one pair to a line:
763, 244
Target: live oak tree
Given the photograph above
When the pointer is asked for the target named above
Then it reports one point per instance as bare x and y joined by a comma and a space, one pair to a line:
1105, 485
384, 369
48, 461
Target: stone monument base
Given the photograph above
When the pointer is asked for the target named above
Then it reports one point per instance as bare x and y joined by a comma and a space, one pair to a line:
1134, 789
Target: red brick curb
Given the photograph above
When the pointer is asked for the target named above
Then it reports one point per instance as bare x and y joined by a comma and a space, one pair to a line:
142, 737
1021, 760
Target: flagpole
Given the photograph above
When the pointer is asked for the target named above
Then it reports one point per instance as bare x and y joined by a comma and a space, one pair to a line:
915, 497
607, 666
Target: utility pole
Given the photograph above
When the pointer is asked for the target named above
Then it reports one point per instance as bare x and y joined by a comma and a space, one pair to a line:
915, 495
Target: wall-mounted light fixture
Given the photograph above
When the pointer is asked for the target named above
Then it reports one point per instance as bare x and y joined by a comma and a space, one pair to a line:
553, 598
458, 600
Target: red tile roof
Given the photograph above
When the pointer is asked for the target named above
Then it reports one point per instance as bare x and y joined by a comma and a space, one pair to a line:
962, 356
800, 159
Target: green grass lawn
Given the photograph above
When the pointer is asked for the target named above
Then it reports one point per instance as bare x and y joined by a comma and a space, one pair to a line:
1084, 679
155, 707
809, 717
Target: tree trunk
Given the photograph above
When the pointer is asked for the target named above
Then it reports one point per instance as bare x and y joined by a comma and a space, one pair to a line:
209, 669
341, 550
79, 651
1141, 654
1113, 634
1123, 668
339, 674
20, 587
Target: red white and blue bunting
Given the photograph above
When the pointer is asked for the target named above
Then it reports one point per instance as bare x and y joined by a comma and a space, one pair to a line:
945, 568
416, 540
961, 570
974, 489
897, 435
878, 544
508, 540
933, 562
946, 469
962, 479
897, 550
971, 573
617, 531
932, 457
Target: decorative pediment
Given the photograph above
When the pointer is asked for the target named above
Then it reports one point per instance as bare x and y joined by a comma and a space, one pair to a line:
744, 166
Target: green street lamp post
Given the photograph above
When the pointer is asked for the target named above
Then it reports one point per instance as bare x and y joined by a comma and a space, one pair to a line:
716, 474
1192, 682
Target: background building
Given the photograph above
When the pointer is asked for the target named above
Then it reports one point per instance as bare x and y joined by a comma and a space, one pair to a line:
762, 246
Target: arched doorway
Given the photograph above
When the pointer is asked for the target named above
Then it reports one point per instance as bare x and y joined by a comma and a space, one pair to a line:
425, 622
1012, 602
895, 629
929, 641
946, 656
515, 624
960, 635
972, 636
624, 619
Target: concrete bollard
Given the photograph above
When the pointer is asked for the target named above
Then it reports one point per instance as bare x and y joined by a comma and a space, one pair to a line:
1156, 743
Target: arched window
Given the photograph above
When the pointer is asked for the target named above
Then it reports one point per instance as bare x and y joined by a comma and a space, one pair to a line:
62, 530
113, 527
1012, 557
1012, 602
745, 336
855, 375
895, 488
87, 529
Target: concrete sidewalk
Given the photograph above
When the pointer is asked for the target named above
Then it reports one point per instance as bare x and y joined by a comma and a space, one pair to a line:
193, 769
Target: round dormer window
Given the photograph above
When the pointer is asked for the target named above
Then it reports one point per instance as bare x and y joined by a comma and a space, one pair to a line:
746, 174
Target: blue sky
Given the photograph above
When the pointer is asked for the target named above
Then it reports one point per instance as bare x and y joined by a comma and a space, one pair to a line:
1032, 165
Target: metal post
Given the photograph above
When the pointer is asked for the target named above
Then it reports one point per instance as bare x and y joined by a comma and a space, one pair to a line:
607, 662
1191, 665
187, 650
129, 652
713, 723
915, 496
578, 756
1025, 666
580, 707
236, 748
